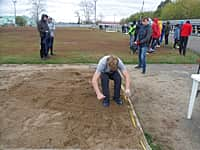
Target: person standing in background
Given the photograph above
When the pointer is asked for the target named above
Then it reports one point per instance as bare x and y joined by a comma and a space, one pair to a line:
144, 36
155, 35
167, 31
176, 36
162, 32
186, 31
44, 31
160, 26
52, 28
131, 33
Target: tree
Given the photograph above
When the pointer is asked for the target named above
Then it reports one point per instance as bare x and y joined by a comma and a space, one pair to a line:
20, 21
137, 16
87, 9
161, 6
181, 9
78, 16
38, 6
100, 18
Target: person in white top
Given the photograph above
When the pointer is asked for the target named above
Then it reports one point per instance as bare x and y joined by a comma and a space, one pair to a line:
52, 28
107, 68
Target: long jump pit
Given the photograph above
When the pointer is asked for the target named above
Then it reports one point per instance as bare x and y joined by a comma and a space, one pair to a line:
55, 107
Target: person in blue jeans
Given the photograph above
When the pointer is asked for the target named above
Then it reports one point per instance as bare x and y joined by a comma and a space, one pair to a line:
144, 36
107, 69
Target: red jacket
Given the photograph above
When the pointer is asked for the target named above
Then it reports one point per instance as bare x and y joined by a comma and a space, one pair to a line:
186, 29
155, 29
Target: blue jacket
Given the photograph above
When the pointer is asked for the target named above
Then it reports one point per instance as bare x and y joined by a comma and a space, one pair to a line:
177, 33
144, 35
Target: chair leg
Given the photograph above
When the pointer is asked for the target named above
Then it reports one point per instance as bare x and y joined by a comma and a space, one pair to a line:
198, 71
192, 98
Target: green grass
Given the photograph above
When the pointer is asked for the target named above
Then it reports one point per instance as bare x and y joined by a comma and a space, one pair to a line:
151, 142
87, 58
79, 46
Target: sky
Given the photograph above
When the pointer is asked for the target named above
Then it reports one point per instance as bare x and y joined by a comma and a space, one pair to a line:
64, 10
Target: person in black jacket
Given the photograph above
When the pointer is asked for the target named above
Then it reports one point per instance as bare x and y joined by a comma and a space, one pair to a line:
167, 31
144, 36
44, 35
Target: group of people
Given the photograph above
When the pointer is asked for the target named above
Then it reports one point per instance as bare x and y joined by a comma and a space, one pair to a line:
182, 32
160, 31
46, 28
145, 37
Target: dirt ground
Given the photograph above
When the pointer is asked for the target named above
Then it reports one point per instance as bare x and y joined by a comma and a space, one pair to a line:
161, 99
57, 108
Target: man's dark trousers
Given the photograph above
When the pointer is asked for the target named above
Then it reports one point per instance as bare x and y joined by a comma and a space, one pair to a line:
105, 84
183, 45
44, 45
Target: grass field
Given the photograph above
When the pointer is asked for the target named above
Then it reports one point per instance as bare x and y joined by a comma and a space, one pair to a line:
77, 45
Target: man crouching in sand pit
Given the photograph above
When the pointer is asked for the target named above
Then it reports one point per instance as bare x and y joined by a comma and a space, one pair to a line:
107, 68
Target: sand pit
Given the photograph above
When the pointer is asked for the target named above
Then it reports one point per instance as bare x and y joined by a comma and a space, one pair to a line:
57, 108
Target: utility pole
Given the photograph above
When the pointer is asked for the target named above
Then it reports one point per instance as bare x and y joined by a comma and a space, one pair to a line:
95, 13
14, 2
142, 9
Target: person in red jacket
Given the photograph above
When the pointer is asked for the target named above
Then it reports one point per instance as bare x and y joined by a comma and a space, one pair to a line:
155, 34
186, 31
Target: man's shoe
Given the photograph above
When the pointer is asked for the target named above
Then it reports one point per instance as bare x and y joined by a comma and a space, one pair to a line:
137, 67
119, 101
106, 103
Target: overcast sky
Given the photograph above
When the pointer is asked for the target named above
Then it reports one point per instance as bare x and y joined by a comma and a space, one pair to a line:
64, 10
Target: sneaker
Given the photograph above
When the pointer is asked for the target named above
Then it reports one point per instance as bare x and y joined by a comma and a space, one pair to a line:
143, 72
137, 67
106, 103
151, 51
157, 46
119, 101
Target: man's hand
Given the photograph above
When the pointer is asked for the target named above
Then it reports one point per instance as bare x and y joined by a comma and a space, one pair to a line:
137, 43
127, 92
100, 96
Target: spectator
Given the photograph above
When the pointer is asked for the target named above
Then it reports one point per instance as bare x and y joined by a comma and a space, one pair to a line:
52, 28
144, 36
155, 34
176, 36
160, 26
131, 33
167, 31
44, 31
186, 31
162, 32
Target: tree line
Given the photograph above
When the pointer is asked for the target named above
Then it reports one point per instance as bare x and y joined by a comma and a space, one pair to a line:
170, 10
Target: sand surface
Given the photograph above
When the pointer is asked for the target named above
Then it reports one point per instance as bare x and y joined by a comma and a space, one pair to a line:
57, 108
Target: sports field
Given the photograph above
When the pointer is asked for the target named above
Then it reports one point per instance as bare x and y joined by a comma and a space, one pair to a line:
77, 45
54, 106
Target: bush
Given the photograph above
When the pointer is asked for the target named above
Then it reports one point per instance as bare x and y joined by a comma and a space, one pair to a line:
20, 21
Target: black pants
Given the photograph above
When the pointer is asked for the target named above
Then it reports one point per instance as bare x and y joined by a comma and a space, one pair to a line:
155, 41
105, 77
44, 45
183, 45
176, 42
51, 39
166, 39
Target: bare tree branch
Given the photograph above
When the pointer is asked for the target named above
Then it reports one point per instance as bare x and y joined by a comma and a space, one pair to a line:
38, 6
87, 9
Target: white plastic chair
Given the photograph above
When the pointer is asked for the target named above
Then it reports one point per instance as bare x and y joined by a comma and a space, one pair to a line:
196, 80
